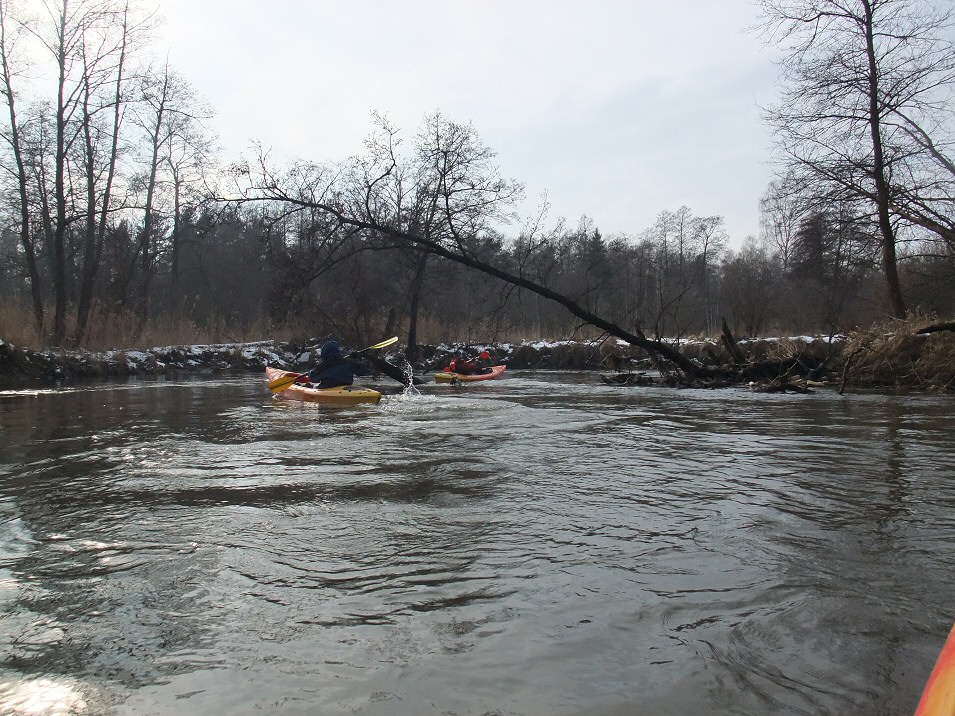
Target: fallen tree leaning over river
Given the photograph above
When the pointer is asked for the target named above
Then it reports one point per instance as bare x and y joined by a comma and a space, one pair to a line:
447, 199
677, 368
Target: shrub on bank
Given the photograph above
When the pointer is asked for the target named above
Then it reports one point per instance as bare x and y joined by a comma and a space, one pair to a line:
902, 354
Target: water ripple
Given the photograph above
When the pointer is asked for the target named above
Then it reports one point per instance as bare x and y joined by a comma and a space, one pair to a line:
542, 545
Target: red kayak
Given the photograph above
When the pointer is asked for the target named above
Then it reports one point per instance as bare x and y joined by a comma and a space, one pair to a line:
448, 377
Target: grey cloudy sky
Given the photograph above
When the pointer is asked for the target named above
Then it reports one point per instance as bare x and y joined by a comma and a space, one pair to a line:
616, 109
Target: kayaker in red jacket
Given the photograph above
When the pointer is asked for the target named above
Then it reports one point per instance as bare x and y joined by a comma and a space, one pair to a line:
470, 366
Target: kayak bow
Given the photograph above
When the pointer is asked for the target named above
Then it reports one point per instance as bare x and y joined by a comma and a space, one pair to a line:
938, 698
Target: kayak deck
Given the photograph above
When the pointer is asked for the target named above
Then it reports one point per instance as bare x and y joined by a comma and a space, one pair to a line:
938, 698
343, 395
445, 377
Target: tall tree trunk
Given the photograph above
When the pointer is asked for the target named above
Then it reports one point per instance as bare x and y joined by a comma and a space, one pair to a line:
148, 243
96, 229
175, 239
889, 258
58, 265
90, 253
26, 241
416, 289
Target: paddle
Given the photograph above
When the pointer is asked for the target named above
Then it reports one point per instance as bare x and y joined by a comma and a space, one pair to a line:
393, 371
286, 381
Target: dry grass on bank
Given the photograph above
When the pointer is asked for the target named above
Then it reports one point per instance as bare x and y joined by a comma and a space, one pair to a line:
895, 354
119, 330
17, 326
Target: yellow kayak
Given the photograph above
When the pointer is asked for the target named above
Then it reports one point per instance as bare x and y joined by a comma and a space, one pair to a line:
343, 395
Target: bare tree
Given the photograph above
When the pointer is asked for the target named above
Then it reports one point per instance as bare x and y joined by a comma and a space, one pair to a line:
851, 68
10, 32
684, 247
925, 193
188, 157
780, 211
168, 114
81, 38
103, 93
750, 285
451, 209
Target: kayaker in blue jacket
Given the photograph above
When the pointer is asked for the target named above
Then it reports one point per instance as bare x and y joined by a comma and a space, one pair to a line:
335, 368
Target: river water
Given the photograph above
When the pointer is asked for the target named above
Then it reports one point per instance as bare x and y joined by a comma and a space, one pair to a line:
538, 545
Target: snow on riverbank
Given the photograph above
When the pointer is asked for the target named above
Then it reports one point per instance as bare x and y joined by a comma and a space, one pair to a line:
19, 365
58, 364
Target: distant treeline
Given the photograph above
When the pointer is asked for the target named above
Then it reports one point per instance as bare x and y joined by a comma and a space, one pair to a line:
116, 229
231, 276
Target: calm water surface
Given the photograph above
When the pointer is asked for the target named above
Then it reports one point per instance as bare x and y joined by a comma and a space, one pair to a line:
539, 545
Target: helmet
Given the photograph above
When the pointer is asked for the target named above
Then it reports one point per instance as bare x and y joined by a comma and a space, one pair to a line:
485, 355
332, 349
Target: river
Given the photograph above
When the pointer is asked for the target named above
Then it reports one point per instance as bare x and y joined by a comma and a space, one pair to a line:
538, 545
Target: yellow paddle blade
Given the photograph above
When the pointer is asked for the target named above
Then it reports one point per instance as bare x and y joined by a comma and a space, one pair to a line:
384, 344
286, 381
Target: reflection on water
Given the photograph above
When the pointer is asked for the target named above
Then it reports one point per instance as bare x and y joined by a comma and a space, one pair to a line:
542, 544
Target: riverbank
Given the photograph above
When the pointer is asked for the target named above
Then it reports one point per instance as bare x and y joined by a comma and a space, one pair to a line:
917, 356
22, 365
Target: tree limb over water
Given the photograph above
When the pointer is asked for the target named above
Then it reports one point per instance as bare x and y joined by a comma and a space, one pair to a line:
445, 200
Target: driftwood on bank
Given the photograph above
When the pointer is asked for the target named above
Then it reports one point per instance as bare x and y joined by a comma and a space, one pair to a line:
730, 343
786, 365
947, 326
794, 370
628, 379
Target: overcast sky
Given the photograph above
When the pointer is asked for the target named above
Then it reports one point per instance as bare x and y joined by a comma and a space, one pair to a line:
615, 109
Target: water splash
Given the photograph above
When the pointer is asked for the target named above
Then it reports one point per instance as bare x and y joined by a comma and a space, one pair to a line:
411, 390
